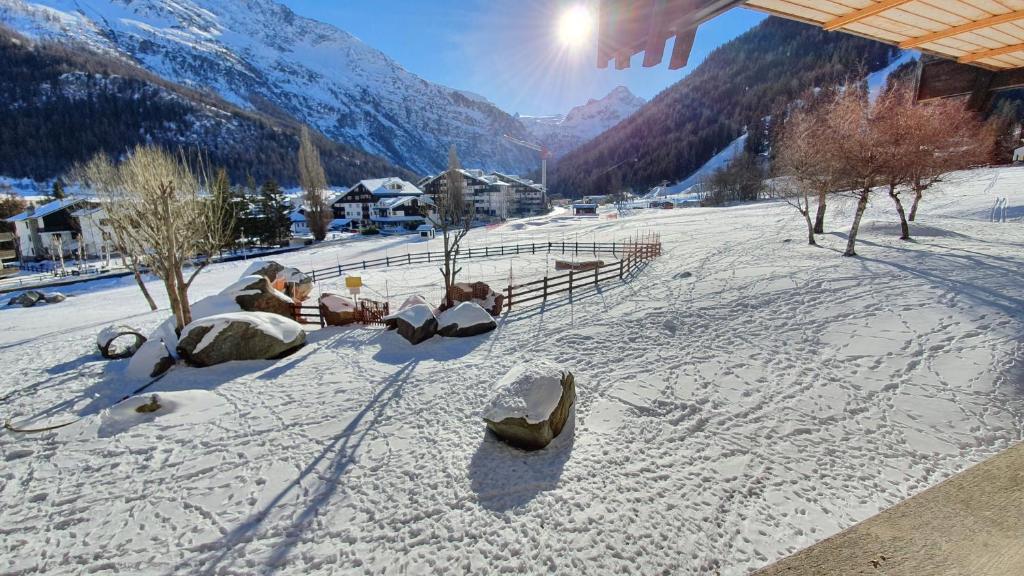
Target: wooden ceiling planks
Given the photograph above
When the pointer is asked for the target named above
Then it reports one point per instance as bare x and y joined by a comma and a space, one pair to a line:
979, 32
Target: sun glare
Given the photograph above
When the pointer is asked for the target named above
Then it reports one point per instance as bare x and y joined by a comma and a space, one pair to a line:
575, 25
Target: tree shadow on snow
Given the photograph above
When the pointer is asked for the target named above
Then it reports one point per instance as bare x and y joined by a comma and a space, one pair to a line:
324, 473
505, 478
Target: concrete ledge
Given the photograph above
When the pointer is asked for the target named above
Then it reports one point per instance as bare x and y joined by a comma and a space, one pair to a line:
969, 525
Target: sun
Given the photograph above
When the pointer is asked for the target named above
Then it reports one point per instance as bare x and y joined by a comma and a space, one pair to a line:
575, 26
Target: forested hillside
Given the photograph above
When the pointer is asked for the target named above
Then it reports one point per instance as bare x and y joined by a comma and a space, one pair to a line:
739, 83
60, 104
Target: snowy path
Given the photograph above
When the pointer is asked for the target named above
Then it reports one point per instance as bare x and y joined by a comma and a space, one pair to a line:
774, 396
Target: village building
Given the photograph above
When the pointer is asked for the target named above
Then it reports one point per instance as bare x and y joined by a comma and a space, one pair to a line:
402, 214
494, 197
357, 204
8, 253
54, 229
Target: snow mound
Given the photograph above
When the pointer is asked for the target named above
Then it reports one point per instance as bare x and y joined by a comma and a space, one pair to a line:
528, 391
187, 407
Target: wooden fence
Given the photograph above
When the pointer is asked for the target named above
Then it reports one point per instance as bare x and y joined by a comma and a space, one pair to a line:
617, 249
538, 291
369, 313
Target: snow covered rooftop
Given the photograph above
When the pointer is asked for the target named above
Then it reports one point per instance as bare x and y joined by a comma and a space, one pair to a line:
45, 209
390, 186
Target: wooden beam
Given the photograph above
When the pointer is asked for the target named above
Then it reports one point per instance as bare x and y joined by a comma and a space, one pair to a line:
963, 29
975, 56
867, 12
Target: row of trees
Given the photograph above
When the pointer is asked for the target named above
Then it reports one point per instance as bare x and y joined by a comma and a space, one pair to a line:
847, 143
259, 213
169, 215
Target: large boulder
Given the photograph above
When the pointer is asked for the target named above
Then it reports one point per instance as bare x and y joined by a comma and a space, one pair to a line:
117, 342
480, 293
416, 323
151, 360
290, 281
295, 284
54, 298
337, 310
532, 405
266, 268
239, 336
255, 294
466, 319
27, 299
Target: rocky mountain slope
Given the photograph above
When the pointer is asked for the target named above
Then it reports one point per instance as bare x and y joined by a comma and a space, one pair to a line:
742, 82
261, 56
60, 105
564, 133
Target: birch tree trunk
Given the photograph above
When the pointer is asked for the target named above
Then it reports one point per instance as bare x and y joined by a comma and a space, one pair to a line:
862, 204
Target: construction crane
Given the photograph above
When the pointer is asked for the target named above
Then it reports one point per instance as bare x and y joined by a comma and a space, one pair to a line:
544, 155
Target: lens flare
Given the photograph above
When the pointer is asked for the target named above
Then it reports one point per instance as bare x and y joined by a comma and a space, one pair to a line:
575, 26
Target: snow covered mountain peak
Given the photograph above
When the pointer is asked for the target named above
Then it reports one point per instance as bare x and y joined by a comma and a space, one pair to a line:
583, 123
260, 55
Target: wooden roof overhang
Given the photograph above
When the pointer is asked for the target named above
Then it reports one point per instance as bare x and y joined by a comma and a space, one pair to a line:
982, 41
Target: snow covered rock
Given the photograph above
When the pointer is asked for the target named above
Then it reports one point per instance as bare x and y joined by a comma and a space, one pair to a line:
412, 301
296, 284
239, 336
117, 341
416, 323
255, 294
337, 310
266, 268
466, 319
152, 359
532, 405
291, 281
480, 293
54, 298
27, 299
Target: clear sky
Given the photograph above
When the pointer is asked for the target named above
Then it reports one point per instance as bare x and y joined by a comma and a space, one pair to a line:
513, 52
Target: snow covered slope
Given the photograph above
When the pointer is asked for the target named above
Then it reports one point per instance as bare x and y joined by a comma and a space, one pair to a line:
745, 396
562, 134
718, 161
260, 55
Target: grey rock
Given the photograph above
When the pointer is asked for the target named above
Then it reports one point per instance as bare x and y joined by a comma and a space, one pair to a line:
27, 299
257, 295
240, 339
522, 434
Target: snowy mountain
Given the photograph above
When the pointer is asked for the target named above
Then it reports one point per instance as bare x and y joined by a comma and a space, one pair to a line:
260, 55
563, 133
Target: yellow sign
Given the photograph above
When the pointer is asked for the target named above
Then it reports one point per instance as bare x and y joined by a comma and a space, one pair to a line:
353, 282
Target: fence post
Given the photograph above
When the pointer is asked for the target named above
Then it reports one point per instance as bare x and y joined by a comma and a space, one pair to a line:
595, 248
545, 289
570, 281
313, 274
510, 297
409, 258
364, 264
620, 269
339, 270
597, 272
387, 261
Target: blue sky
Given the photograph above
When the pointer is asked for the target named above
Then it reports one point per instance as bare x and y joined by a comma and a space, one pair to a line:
506, 50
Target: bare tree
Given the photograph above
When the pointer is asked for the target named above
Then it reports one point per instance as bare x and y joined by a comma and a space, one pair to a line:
162, 216
850, 118
804, 160
314, 186
454, 218
948, 137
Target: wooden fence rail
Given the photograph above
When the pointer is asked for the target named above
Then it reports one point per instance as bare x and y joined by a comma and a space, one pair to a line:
540, 290
617, 249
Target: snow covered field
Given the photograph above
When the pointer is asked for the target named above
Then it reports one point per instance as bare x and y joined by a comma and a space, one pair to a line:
726, 417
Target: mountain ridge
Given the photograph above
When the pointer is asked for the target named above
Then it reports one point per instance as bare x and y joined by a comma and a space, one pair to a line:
255, 52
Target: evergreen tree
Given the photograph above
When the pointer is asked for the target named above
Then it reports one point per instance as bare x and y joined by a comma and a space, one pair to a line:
274, 209
58, 189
